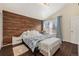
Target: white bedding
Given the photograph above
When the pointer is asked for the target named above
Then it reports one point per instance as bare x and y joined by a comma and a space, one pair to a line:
49, 43
43, 42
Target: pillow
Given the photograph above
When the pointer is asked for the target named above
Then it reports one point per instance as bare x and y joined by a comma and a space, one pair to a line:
36, 33
26, 32
32, 33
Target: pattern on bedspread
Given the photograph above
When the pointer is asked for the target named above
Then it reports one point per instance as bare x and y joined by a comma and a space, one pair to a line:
33, 42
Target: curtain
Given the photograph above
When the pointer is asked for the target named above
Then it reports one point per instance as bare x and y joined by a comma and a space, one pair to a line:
58, 29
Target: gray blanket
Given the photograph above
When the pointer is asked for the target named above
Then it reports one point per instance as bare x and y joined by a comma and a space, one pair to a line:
32, 42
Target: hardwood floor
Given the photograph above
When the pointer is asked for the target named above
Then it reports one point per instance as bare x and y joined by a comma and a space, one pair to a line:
66, 49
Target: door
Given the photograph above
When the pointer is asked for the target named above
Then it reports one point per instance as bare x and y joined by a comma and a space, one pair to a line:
74, 29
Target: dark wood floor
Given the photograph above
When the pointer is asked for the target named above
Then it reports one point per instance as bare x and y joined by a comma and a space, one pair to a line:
66, 49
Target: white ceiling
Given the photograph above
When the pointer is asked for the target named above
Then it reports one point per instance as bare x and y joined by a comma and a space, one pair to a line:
34, 10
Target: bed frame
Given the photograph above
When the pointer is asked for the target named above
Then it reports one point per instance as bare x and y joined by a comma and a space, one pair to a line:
35, 51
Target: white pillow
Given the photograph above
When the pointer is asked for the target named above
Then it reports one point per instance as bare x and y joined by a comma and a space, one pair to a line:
32, 33
35, 33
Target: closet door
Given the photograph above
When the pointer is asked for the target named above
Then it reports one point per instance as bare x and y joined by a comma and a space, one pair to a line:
75, 29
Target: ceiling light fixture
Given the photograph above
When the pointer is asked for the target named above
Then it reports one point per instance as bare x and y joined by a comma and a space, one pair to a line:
45, 4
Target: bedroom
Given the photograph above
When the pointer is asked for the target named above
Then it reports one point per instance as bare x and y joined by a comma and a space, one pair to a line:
34, 19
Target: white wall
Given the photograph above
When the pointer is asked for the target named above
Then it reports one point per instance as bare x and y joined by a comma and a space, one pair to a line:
1, 34
51, 8
1, 27
69, 11
30, 10
33, 10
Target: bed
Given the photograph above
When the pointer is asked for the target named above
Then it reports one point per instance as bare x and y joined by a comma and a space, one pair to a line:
47, 44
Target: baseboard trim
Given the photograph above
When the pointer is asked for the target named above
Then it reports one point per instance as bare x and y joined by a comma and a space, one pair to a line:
0, 47
70, 42
7, 44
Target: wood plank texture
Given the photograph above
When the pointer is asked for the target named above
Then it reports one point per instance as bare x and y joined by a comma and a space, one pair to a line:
14, 25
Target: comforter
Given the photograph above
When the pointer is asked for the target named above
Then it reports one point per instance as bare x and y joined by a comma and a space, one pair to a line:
33, 42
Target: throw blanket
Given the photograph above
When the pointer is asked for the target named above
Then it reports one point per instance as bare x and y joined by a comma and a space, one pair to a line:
33, 42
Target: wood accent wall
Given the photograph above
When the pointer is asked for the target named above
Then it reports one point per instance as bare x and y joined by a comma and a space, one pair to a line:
15, 25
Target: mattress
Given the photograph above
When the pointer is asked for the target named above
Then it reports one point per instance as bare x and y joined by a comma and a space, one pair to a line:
51, 52
49, 44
